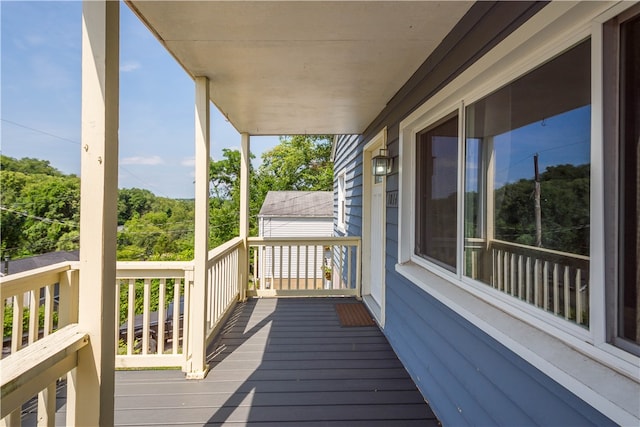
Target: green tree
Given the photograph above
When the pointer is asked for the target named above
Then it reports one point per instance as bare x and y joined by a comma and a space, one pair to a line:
163, 233
133, 201
53, 204
564, 205
12, 217
300, 162
28, 165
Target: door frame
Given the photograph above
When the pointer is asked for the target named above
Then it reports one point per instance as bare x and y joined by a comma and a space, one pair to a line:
370, 150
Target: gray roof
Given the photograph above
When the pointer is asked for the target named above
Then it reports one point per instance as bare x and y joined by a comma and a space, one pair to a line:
31, 263
298, 204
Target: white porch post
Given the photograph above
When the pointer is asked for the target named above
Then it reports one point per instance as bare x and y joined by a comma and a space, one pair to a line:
93, 381
197, 365
243, 262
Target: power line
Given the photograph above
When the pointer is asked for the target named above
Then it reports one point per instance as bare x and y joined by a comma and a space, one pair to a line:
41, 131
78, 143
39, 218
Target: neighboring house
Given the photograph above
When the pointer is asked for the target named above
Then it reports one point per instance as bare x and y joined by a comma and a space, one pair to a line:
10, 266
500, 255
294, 214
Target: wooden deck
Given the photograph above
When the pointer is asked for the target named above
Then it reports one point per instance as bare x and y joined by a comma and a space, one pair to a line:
281, 362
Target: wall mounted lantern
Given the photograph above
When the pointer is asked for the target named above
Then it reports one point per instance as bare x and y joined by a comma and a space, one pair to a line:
382, 163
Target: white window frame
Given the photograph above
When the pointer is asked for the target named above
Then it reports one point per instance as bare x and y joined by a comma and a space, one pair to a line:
549, 343
342, 201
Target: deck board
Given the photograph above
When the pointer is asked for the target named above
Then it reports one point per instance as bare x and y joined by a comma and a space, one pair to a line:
281, 362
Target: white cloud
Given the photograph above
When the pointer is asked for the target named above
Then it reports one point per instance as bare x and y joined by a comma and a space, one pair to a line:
128, 66
188, 161
139, 160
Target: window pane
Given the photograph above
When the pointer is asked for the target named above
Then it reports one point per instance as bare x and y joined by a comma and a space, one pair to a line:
436, 193
630, 180
527, 183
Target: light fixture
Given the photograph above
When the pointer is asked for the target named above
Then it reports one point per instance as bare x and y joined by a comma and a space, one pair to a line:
382, 163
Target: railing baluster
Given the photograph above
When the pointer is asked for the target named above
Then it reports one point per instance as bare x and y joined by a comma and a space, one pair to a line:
348, 266
212, 280
512, 276
16, 336
33, 315
215, 281
146, 301
273, 266
48, 310
289, 267
567, 293
556, 290
47, 406
297, 267
161, 315
578, 278
520, 278
117, 316
176, 315
336, 281
529, 298
498, 271
280, 278
131, 314
306, 267
545, 278
315, 267
537, 282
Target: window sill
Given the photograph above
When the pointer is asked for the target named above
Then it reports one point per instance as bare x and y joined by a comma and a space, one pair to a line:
571, 364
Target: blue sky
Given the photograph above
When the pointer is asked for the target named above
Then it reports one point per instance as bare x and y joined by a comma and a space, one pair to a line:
40, 99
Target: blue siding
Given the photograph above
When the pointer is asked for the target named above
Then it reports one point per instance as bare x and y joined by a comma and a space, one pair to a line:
468, 377
349, 158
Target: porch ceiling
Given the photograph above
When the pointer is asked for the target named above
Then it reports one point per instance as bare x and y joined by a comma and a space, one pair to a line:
295, 67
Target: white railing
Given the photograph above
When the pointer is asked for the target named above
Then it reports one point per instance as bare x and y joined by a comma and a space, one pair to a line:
223, 288
554, 281
320, 266
150, 312
154, 309
43, 341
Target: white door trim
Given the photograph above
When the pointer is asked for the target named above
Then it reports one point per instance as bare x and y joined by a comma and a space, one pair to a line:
370, 150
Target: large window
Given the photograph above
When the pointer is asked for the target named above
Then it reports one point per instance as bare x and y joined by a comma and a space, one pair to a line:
527, 186
436, 193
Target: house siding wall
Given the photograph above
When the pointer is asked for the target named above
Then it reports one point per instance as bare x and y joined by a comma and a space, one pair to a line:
304, 261
295, 227
465, 375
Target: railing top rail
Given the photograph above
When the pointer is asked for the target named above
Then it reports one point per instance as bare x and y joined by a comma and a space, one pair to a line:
32, 279
225, 248
23, 372
329, 240
154, 265
48, 269
152, 269
534, 250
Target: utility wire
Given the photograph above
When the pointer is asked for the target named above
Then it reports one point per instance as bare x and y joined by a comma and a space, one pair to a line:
78, 143
39, 218
41, 131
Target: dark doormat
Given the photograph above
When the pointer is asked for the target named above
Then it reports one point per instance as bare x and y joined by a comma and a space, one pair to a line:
354, 315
